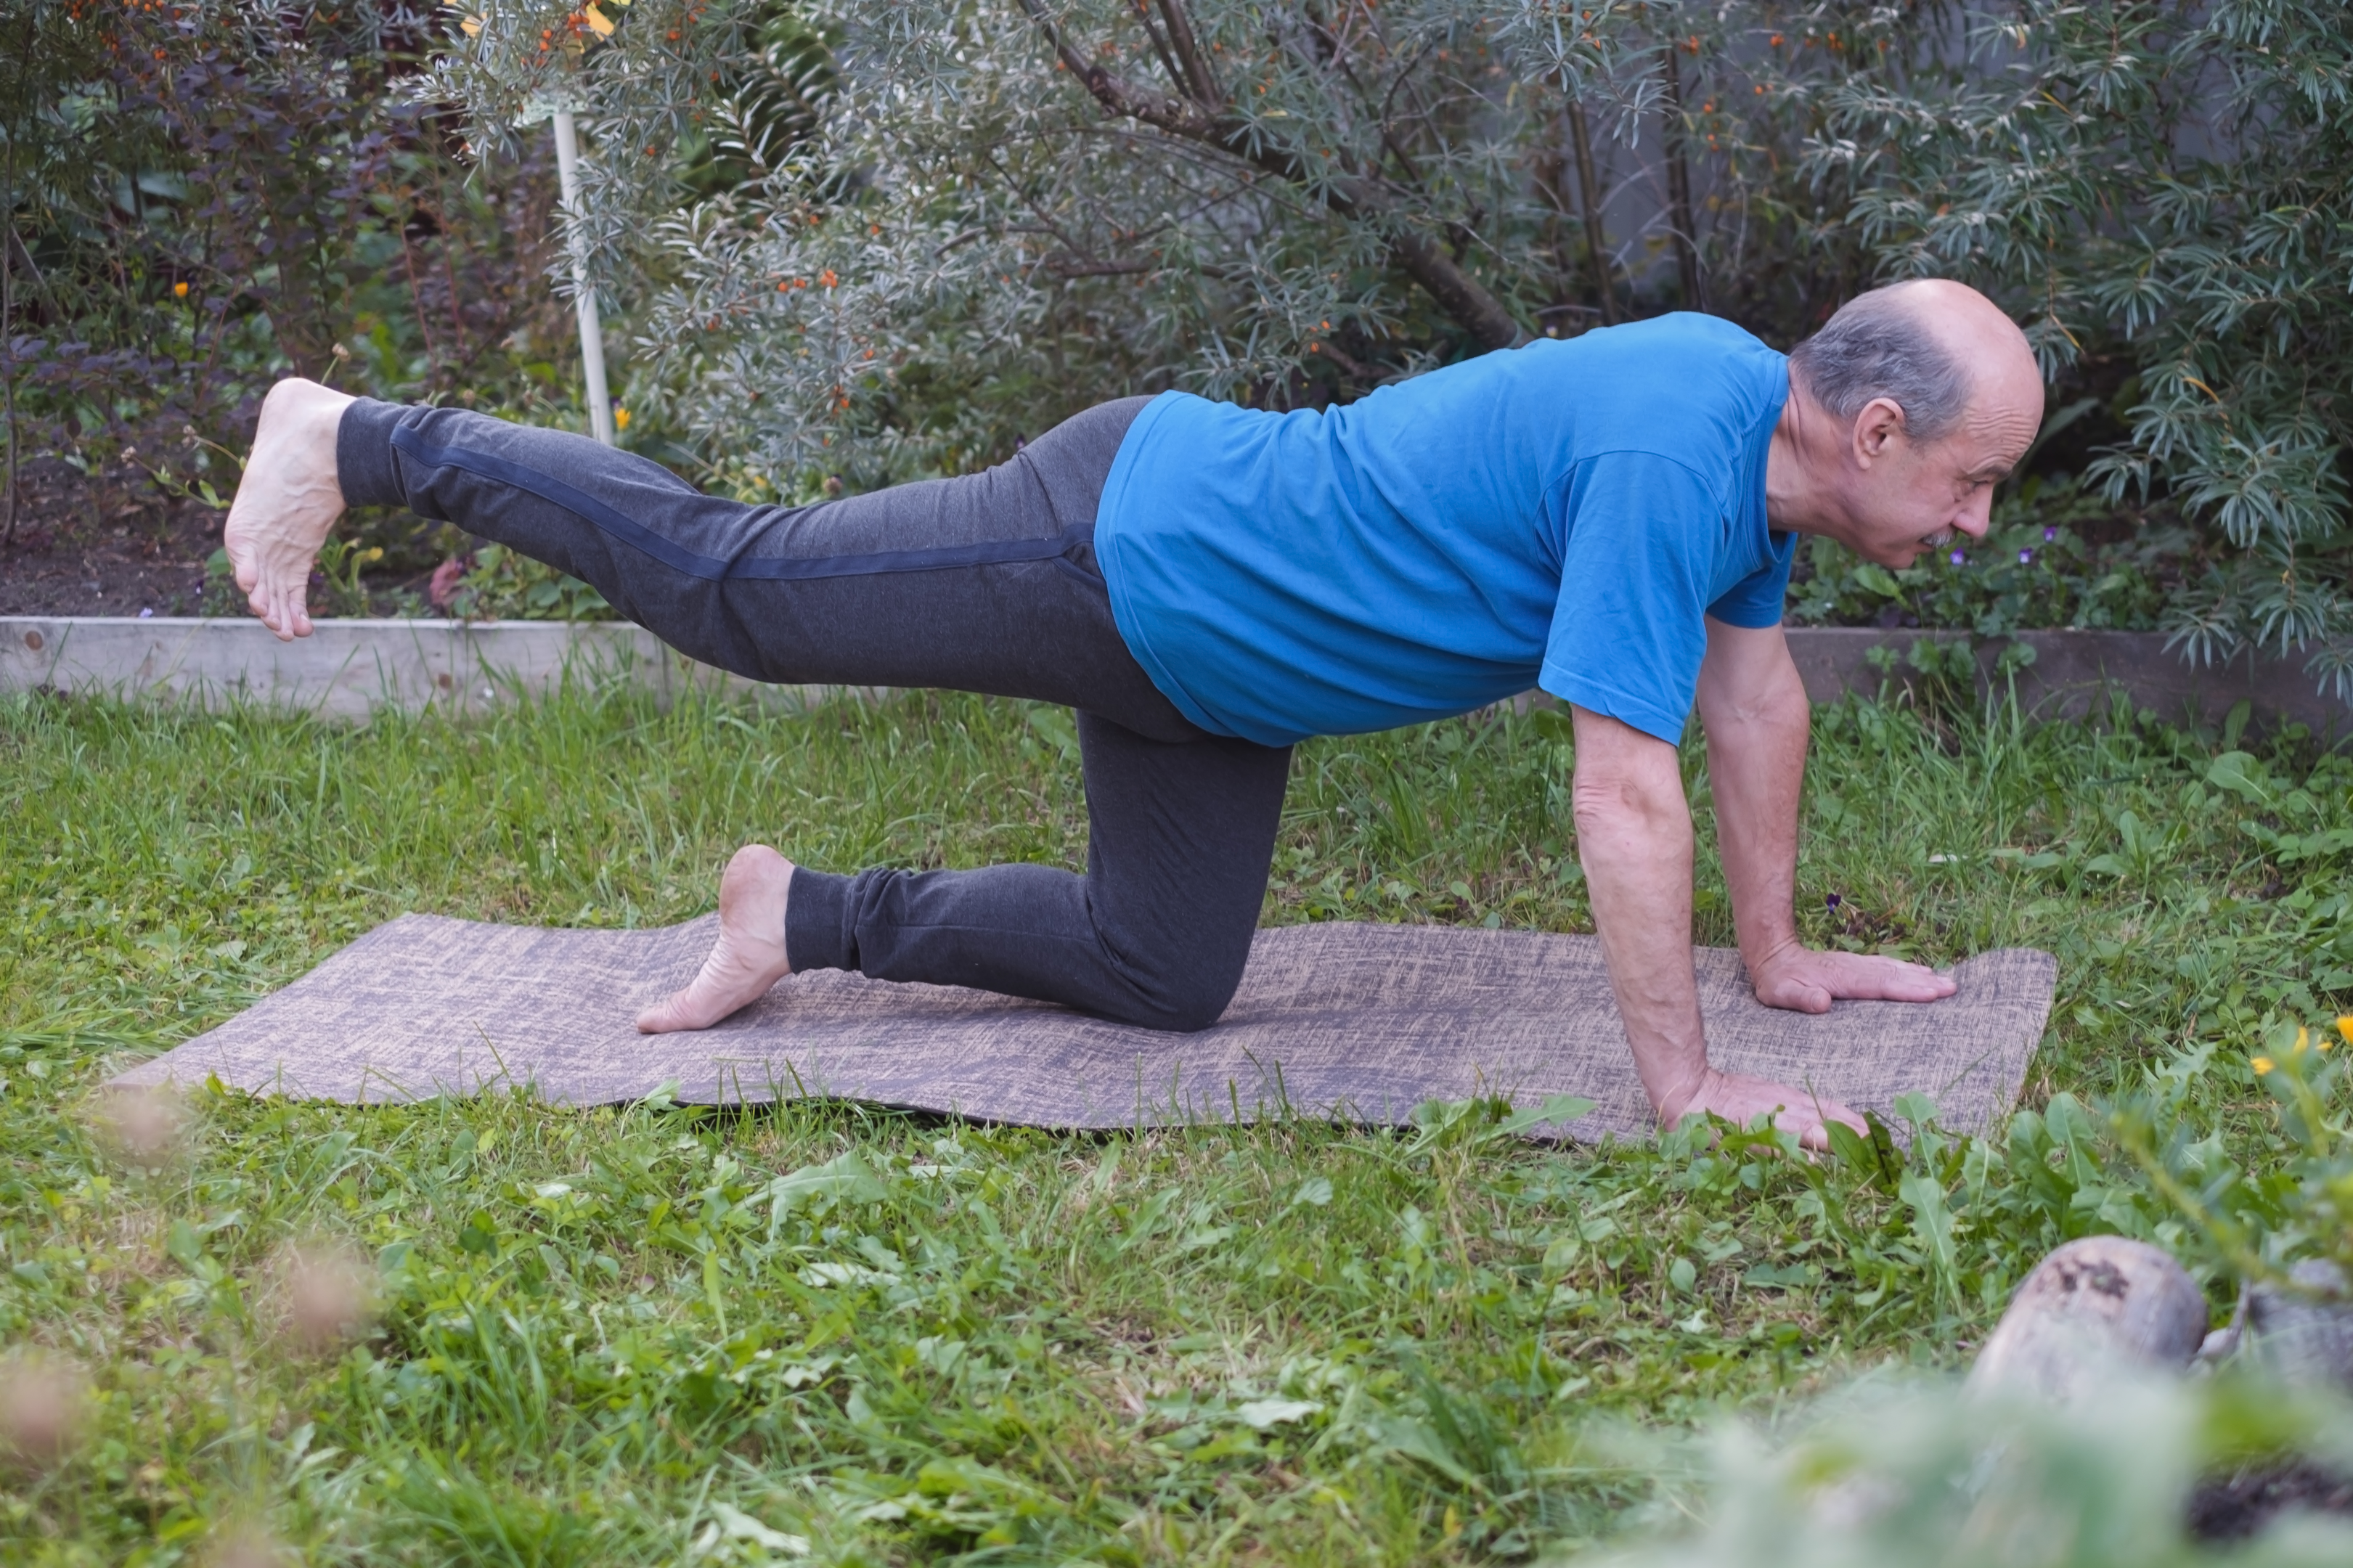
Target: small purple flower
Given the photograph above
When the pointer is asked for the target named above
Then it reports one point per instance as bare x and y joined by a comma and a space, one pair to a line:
2048, 534
2025, 557
1832, 902
1961, 558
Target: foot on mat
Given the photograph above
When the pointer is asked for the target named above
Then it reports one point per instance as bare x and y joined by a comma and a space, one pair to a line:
287, 502
750, 956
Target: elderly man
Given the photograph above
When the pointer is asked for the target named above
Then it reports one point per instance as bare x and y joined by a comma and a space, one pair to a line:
1610, 518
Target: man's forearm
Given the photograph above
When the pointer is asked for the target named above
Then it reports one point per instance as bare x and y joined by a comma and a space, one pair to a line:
1753, 705
1755, 710
1634, 838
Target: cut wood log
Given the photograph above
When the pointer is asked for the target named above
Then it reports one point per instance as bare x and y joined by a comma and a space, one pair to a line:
2096, 1306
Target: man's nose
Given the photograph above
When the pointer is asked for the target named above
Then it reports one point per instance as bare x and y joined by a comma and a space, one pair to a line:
1976, 516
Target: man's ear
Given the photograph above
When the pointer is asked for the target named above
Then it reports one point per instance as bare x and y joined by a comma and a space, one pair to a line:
1876, 428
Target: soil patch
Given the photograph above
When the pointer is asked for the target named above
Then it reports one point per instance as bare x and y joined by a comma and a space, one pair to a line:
96, 548
114, 545
2240, 1506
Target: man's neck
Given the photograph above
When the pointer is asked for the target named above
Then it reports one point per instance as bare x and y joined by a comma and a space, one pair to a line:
1803, 450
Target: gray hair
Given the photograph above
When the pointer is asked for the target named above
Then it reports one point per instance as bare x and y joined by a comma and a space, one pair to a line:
1877, 346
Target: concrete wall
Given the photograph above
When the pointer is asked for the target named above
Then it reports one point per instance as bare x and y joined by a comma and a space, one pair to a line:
347, 668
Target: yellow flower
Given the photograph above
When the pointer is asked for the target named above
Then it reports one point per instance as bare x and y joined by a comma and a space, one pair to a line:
620, 418
179, 290
2303, 1041
2261, 1064
2344, 1028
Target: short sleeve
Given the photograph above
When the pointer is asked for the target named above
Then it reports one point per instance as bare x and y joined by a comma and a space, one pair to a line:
1756, 601
1629, 629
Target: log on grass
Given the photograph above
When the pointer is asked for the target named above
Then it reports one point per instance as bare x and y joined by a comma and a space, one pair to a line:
2096, 1306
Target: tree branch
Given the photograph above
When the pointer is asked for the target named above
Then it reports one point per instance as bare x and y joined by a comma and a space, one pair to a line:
1350, 366
1064, 264
1197, 74
1459, 294
1160, 45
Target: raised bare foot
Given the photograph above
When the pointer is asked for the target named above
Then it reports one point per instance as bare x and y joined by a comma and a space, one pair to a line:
287, 502
750, 954
1741, 1099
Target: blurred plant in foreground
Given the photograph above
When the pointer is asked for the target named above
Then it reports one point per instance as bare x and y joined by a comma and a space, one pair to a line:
1925, 1475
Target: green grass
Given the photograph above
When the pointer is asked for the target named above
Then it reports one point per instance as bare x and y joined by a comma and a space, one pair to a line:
616, 1336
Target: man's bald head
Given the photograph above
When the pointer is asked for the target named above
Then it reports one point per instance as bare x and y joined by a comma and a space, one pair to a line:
1932, 347
1907, 410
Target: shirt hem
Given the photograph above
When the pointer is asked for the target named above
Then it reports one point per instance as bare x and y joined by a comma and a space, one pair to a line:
1596, 697
1109, 545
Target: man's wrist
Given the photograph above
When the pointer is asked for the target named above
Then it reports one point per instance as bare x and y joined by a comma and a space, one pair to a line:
1763, 958
1673, 1106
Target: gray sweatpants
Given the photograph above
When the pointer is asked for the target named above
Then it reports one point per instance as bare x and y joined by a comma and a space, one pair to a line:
987, 582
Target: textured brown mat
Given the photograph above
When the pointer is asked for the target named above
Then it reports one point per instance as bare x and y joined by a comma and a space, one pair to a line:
1357, 1022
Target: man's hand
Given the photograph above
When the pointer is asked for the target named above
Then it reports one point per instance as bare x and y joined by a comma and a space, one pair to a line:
1806, 981
1755, 709
1634, 836
1741, 1099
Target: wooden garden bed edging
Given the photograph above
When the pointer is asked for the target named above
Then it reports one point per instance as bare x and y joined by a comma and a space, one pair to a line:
2073, 674
346, 668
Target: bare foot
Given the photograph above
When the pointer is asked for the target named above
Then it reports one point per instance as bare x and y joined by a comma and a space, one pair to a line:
1740, 1100
750, 954
286, 503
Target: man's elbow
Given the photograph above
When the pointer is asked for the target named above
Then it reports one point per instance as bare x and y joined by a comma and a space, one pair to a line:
1761, 693
1616, 807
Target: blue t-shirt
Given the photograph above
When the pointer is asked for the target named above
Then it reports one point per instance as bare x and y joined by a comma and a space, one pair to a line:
1561, 515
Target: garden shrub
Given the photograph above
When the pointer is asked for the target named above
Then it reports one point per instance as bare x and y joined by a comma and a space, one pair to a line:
204, 195
2159, 188
949, 225
846, 248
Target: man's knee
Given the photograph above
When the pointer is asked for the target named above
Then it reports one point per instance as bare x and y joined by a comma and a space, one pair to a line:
1187, 1007
1186, 987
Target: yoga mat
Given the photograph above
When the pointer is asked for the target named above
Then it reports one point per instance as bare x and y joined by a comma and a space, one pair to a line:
1347, 1021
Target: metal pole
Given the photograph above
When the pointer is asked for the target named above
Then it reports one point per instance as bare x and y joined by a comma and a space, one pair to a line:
592, 332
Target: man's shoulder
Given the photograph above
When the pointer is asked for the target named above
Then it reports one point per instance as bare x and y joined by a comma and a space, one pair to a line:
1681, 360
1693, 390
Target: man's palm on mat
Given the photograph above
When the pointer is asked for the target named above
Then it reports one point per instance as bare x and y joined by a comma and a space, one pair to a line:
1809, 981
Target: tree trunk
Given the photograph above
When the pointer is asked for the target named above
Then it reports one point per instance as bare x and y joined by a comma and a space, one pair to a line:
1679, 199
1589, 188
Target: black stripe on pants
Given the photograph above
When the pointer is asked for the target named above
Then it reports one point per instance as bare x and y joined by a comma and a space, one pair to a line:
987, 582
